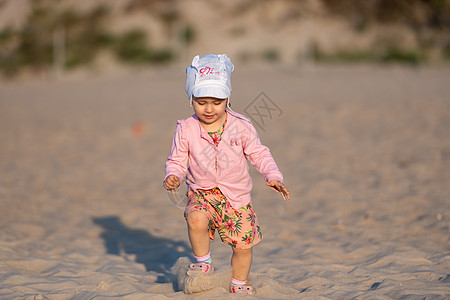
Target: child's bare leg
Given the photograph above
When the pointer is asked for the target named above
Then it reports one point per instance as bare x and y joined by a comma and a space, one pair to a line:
241, 261
198, 232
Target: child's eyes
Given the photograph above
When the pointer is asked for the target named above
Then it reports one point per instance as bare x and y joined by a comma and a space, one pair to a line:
215, 103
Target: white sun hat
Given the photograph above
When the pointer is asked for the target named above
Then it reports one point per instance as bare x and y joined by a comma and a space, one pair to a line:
209, 76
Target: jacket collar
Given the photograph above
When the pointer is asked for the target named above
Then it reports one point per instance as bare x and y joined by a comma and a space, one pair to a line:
204, 134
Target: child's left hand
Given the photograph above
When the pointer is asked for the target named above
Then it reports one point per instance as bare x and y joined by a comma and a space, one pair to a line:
276, 185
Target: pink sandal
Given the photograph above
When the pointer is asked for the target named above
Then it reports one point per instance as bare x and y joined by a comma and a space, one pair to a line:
242, 289
202, 267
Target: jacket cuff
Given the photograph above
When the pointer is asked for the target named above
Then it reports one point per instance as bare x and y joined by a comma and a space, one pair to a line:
179, 175
275, 177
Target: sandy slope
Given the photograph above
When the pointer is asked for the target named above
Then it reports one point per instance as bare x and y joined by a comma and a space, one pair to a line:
365, 152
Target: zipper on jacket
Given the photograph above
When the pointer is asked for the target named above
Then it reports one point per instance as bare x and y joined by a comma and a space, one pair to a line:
216, 161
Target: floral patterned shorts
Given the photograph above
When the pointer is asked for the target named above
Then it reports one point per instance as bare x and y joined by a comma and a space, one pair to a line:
238, 228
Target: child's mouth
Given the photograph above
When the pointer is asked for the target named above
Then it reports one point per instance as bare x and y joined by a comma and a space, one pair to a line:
209, 116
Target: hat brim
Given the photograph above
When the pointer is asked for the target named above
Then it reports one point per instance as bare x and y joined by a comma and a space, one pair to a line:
211, 91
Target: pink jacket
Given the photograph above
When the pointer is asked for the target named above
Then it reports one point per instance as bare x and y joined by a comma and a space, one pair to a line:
193, 146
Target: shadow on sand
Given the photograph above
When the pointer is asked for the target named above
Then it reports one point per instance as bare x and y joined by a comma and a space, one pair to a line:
155, 253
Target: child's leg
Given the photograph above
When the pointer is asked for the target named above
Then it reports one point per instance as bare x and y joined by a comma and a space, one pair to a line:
198, 232
241, 261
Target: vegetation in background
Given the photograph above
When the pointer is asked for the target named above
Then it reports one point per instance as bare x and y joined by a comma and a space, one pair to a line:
187, 35
390, 55
85, 36
429, 19
271, 55
403, 56
32, 45
415, 13
132, 47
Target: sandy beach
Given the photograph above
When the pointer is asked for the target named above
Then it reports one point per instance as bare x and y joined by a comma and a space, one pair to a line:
365, 152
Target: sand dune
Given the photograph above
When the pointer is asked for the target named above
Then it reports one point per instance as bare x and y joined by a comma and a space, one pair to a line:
364, 150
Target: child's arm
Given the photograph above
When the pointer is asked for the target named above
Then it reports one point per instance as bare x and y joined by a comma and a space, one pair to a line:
176, 165
260, 157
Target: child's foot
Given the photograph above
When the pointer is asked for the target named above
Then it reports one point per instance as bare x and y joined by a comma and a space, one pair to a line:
242, 289
203, 267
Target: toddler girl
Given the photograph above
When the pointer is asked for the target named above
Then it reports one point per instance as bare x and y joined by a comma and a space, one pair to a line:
216, 143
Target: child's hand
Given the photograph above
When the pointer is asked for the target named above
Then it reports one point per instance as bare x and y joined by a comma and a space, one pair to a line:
276, 185
172, 182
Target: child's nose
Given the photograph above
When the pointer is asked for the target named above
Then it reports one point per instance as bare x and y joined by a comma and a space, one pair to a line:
209, 108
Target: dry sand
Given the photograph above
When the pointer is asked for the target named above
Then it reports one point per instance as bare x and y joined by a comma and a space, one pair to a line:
365, 152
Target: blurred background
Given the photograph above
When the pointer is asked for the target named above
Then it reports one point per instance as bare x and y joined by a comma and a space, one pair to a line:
55, 36
90, 92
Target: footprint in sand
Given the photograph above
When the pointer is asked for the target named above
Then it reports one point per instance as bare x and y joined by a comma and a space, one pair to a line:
191, 282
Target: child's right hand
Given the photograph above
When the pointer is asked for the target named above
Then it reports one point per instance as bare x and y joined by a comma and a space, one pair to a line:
171, 183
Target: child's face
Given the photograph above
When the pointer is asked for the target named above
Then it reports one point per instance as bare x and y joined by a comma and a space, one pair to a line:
209, 110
